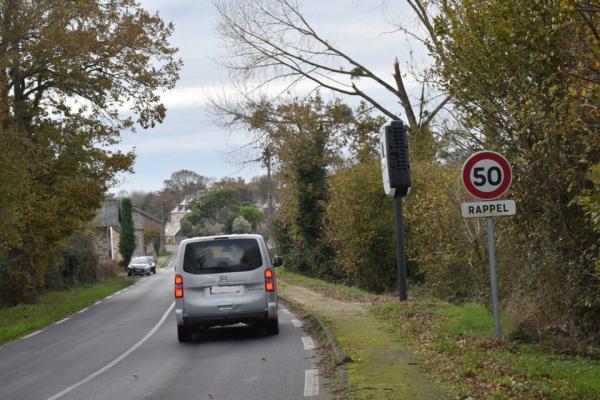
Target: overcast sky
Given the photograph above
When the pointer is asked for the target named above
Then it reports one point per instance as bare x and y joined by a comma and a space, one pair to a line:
189, 138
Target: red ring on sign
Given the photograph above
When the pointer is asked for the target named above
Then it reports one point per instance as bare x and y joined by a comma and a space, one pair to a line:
506, 175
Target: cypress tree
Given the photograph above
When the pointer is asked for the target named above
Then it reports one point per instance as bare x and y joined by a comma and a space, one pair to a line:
127, 240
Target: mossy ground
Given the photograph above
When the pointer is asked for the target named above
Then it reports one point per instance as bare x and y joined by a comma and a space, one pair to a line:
380, 366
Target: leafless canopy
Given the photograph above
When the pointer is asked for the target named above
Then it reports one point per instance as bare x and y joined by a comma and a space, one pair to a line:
271, 40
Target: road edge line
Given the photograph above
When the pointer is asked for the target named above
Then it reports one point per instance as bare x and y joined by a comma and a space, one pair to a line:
308, 343
296, 322
32, 334
340, 357
311, 382
116, 360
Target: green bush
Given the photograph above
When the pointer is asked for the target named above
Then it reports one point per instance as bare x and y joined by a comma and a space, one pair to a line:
450, 251
252, 214
360, 228
241, 225
445, 253
7, 289
74, 264
108, 269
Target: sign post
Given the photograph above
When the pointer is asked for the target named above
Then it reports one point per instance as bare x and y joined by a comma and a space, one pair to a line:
493, 284
395, 171
487, 176
400, 256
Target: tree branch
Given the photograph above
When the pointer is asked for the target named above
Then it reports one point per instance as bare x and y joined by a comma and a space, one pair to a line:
436, 110
404, 100
374, 103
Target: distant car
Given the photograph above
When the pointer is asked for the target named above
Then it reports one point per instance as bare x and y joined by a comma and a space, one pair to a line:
222, 280
140, 266
152, 263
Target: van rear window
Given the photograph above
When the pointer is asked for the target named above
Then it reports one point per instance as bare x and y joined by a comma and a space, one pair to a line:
218, 256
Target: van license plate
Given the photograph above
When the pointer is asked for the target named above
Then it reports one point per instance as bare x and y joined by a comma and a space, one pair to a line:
226, 289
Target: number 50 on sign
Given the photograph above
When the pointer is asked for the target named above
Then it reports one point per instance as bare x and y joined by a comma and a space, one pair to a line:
487, 175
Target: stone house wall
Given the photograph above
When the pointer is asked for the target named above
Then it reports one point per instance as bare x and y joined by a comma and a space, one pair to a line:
141, 222
102, 239
106, 225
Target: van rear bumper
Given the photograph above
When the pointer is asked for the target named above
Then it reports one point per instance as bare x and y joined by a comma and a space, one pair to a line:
224, 319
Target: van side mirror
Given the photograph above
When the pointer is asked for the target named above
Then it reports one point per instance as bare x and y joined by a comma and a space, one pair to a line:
277, 261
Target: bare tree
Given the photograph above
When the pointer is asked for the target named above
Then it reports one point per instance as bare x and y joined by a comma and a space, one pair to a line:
271, 40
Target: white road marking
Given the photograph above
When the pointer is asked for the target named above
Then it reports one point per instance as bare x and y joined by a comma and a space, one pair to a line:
308, 343
252, 379
311, 382
98, 302
62, 320
106, 298
82, 310
297, 323
118, 359
32, 334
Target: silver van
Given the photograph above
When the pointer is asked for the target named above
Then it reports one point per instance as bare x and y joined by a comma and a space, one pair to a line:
222, 280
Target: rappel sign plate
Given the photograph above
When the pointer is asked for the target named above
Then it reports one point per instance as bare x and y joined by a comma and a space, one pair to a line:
481, 209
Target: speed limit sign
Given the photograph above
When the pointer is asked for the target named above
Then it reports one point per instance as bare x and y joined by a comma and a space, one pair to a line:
486, 175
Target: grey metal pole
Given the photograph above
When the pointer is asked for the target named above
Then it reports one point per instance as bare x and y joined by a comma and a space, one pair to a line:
492, 259
400, 257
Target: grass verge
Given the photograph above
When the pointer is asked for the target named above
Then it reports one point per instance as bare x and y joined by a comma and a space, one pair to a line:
335, 290
52, 306
452, 343
455, 343
163, 259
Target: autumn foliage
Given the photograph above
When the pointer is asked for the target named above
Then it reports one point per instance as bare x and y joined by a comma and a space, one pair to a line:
65, 72
518, 77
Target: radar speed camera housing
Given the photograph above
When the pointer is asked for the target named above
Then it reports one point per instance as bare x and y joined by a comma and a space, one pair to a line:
395, 166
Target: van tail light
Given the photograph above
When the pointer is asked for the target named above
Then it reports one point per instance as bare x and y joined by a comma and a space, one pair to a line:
269, 283
178, 286
269, 286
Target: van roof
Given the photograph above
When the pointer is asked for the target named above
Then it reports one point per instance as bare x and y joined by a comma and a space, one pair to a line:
224, 236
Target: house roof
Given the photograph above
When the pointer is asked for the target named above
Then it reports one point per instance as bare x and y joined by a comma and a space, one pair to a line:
108, 214
182, 207
172, 229
147, 215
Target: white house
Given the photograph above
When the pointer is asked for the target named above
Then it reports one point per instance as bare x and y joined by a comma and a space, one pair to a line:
173, 226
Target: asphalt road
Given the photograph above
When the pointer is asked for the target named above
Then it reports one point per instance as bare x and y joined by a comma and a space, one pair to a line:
126, 347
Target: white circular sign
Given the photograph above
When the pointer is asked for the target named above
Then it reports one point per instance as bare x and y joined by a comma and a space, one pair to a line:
486, 175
